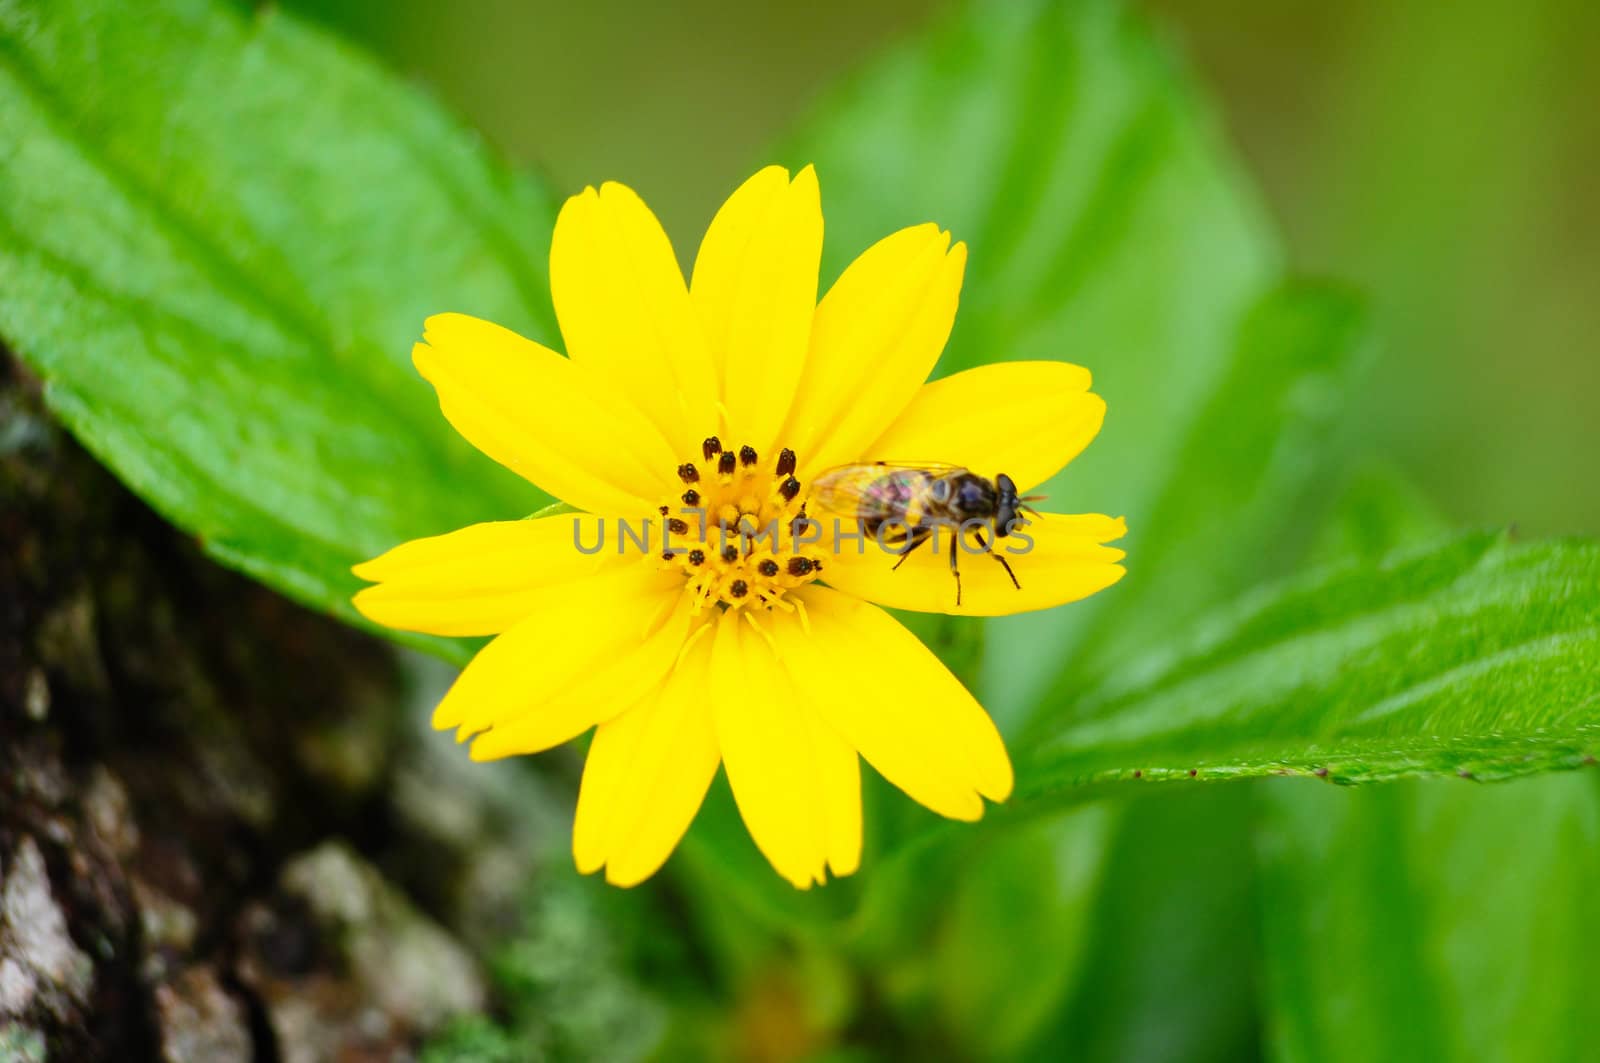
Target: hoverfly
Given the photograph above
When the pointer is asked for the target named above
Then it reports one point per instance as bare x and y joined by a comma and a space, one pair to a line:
902, 505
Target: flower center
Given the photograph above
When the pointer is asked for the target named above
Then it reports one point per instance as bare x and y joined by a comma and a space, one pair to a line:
739, 531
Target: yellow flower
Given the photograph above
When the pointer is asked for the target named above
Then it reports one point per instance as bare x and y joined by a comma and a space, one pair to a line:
726, 397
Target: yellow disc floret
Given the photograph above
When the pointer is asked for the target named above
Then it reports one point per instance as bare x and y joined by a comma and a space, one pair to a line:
739, 531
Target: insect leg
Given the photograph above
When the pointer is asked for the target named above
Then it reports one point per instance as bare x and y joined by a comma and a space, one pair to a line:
1003, 562
918, 537
955, 569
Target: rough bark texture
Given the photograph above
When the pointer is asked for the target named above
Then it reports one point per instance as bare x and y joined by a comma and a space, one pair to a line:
206, 848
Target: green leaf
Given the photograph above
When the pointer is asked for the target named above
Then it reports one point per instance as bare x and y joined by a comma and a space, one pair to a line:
1039, 889
220, 232
1477, 657
1170, 970
1431, 920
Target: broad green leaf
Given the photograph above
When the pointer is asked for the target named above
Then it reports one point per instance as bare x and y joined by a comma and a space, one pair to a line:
1039, 891
1478, 657
220, 232
1432, 920
1170, 970
1107, 227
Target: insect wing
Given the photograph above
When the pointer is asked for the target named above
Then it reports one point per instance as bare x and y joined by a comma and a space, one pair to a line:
932, 468
877, 491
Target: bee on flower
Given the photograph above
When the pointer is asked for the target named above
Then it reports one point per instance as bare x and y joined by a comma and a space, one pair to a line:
736, 414
904, 506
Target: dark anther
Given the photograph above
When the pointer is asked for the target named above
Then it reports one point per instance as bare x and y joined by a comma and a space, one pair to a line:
688, 473
725, 463
789, 489
711, 447
697, 557
691, 497
738, 588
747, 455
786, 462
730, 554
678, 527
668, 555
799, 566
768, 568
665, 510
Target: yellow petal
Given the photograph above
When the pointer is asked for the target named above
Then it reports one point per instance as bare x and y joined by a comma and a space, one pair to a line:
544, 417
625, 312
1025, 419
576, 629
605, 775
1056, 558
875, 338
646, 775
838, 786
888, 696
796, 782
632, 673
755, 289
481, 579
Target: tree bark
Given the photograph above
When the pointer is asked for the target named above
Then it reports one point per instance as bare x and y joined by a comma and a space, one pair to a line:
202, 854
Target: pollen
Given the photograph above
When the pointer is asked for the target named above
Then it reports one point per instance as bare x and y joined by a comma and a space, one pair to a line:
741, 537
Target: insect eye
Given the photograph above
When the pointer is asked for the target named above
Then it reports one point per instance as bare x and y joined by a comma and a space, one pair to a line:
941, 491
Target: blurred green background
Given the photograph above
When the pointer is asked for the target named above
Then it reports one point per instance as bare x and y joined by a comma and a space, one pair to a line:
1444, 162
1440, 161
218, 235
